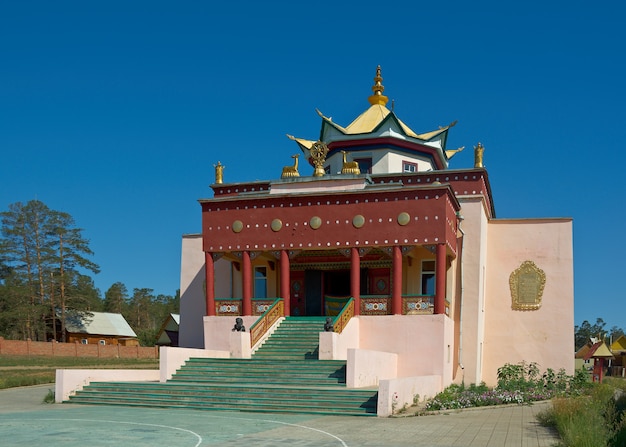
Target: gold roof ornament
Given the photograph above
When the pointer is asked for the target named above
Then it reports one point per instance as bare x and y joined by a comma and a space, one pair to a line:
349, 167
318, 154
219, 173
291, 171
378, 98
479, 149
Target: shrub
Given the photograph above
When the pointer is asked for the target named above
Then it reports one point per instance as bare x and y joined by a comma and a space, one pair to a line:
517, 383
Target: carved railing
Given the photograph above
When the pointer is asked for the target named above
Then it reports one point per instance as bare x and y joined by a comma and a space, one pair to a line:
418, 304
344, 316
262, 325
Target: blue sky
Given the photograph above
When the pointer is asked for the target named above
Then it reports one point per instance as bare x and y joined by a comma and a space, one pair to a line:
115, 112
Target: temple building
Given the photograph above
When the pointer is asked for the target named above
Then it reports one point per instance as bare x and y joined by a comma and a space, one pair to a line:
369, 225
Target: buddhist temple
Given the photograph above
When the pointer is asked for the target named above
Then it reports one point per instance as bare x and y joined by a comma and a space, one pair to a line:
370, 226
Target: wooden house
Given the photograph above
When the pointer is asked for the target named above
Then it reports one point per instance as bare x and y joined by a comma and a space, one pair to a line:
98, 328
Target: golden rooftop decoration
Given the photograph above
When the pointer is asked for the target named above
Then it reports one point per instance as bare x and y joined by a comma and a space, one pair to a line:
318, 153
378, 89
349, 167
291, 171
219, 173
478, 155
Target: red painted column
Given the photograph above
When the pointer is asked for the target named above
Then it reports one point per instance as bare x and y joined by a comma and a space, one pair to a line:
209, 273
396, 276
285, 281
355, 279
440, 279
246, 271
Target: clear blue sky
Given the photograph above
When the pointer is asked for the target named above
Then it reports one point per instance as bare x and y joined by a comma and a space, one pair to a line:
115, 112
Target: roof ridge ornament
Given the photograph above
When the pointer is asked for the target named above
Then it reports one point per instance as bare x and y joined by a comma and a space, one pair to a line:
378, 98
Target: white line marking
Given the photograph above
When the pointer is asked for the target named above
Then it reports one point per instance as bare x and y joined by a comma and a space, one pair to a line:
308, 428
132, 423
284, 423
213, 416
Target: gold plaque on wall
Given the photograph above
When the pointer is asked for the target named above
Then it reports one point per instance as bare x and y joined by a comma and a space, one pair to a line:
527, 283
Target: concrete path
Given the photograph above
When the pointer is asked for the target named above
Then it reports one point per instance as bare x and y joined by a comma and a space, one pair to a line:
25, 420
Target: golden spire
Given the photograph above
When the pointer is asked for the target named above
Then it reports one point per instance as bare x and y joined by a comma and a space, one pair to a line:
219, 173
378, 89
478, 155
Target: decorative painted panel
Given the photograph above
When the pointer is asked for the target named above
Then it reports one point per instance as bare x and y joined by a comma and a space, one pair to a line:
379, 281
259, 307
297, 293
418, 305
227, 307
375, 305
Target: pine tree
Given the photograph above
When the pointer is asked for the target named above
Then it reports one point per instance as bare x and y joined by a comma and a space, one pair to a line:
116, 298
42, 251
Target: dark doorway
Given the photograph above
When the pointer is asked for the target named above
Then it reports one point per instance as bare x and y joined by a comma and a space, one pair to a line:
337, 283
313, 292
334, 283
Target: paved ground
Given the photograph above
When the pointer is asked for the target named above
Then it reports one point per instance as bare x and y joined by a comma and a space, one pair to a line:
26, 421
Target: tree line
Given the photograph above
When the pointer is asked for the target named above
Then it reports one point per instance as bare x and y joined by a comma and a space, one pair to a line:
45, 268
586, 331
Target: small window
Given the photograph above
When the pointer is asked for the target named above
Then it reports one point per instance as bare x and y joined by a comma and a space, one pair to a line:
84, 341
365, 165
409, 166
260, 282
102, 342
428, 277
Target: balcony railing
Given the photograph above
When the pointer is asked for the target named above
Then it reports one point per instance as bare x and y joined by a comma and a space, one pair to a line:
411, 304
228, 307
370, 305
418, 304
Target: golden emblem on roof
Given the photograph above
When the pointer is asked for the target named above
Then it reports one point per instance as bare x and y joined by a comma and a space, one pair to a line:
319, 150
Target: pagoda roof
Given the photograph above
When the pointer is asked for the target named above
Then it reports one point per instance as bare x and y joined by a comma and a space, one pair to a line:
598, 350
375, 122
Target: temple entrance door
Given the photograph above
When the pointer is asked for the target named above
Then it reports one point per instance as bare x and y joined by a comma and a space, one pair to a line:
313, 292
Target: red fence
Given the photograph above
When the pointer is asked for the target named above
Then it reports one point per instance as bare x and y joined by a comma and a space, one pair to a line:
54, 349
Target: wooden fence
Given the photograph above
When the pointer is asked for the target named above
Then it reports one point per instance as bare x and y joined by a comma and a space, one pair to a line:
54, 349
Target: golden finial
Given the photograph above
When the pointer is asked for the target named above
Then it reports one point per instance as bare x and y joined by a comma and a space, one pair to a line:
478, 155
378, 89
219, 173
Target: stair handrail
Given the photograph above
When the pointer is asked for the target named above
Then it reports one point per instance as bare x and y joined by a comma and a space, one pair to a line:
344, 316
265, 321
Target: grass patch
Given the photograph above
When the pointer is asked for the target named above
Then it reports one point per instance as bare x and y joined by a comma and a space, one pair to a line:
594, 420
18, 371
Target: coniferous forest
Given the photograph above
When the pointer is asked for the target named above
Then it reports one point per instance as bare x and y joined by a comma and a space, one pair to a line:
45, 271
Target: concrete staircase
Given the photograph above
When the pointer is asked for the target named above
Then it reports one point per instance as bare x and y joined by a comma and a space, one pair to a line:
284, 375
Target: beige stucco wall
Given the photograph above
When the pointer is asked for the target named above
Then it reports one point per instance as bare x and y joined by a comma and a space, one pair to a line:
471, 290
424, 343
192, 294
546, 335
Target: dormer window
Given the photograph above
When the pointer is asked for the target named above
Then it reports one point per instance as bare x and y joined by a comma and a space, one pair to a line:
409, 166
